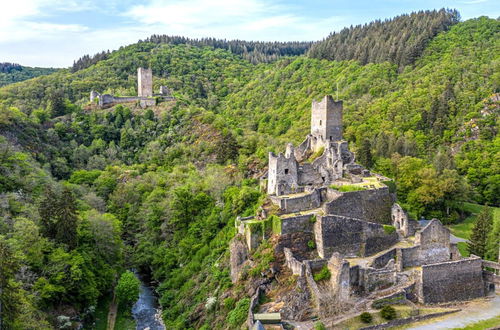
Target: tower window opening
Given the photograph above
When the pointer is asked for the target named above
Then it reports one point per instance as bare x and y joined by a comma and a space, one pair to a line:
286, 171
320, 122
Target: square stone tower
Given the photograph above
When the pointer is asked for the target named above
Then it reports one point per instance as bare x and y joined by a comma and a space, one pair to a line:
326, 121
144, 82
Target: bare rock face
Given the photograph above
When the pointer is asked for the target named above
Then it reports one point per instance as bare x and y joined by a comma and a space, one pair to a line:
239, 255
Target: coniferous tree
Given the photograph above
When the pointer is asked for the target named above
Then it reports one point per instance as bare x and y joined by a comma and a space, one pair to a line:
364, 154
480, 232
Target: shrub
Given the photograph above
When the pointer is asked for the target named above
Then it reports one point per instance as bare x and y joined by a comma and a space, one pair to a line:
388, 312
319, 326
127, 289
316, 154
366, 317
389, 229
323, 274
229, 303
311, 244
239, 314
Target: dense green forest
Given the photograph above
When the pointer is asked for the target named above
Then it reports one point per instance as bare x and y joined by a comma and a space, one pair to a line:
11, 73
86, 194
400, 40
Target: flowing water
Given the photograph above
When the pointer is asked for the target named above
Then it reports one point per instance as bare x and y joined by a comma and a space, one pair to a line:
146, 312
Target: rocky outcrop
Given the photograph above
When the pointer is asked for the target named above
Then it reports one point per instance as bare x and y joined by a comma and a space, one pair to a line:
239, 255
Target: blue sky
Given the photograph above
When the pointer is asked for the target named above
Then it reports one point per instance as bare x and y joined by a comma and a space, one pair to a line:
56, 32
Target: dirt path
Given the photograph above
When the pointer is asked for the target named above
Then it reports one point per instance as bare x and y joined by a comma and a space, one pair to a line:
478, 310
113, 309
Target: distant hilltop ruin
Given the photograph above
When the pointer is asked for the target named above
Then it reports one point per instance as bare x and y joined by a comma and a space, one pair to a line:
145, 96
325, 213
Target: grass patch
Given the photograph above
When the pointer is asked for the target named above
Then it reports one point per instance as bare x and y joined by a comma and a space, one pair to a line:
462, 248
463, 229
388, 229
323, 274
316, 154
348, 188
101, 312
124, 320
485, 324
403, 311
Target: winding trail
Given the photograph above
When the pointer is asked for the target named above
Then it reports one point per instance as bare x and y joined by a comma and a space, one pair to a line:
113, 310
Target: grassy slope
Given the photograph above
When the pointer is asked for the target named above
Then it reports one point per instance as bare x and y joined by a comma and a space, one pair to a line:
464, 229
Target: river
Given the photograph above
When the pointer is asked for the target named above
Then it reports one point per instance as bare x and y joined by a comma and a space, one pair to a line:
146, 312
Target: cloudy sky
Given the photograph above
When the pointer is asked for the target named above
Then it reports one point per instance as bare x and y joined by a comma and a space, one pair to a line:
55, 32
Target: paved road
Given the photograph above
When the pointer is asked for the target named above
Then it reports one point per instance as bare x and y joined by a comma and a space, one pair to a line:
455, 239
477, 311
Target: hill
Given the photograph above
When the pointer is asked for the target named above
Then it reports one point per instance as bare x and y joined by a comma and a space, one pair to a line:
12, 73
400, 40
158, 190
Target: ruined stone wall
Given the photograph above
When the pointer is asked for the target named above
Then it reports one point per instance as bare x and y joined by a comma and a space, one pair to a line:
302, 203
378, 279
295, 266
451, 281
300, 223
401, 221
434, 241
308, 175
372, 205
340, 277
350, 237
382, 260
411, 256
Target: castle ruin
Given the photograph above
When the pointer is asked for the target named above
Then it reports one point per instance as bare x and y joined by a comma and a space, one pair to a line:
373, 250
145, 97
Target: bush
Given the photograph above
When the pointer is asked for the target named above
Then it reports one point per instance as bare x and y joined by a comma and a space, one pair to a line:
127, 289
324, 274
239, 314
388, 312
389, 229
229, 303
366, 317
311, 244
319, 326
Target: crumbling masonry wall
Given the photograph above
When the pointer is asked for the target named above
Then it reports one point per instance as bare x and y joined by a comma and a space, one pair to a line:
451, 281
372, 205
350, 237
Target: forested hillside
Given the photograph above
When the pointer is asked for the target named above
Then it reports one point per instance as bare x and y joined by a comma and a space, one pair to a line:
400, 40
86, 194
11, 73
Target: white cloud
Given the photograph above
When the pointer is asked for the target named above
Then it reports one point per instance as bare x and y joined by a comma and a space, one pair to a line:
473, 2
30, 35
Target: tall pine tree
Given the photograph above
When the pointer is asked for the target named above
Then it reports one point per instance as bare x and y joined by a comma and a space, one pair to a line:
480, 232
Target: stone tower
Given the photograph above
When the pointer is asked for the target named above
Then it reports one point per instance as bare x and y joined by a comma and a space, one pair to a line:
282, 173
144, 82
326, 121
